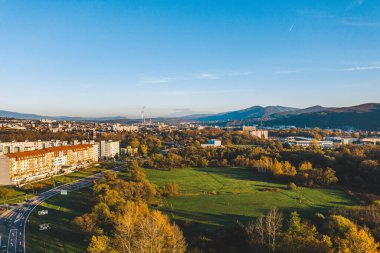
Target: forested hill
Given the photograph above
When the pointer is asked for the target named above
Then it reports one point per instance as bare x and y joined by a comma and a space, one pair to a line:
366, 117
254, 112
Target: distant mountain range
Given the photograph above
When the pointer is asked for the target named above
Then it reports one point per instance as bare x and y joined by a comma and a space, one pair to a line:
16, 115
365, 116
254, 112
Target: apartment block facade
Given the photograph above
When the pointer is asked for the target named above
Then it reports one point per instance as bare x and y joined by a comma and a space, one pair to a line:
22, 167
21, 146
253, 131
109, 149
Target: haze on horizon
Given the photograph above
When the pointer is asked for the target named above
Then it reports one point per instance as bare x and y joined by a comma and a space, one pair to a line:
104, 58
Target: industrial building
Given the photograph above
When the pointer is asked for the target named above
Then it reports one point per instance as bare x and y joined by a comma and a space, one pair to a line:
212, 143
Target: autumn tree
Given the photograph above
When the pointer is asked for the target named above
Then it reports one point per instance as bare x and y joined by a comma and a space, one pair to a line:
5, 192
121, 221
303, 237
144, 150
99, 244
305, 166
137, 173
266, 230
134, 143
349, 237
137, 229
273, 223
170, 189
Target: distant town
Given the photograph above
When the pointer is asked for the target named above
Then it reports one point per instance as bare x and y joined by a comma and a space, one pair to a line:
25, 161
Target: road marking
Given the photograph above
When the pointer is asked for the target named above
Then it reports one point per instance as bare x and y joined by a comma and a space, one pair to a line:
16, 242
11, 232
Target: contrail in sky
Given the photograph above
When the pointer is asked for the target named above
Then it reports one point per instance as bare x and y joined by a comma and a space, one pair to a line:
291, 28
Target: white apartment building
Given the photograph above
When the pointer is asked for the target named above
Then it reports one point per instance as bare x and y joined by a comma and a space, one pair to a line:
95, 150
109, 149
259, 133
124, 128
253, 131
21, 146
11, 147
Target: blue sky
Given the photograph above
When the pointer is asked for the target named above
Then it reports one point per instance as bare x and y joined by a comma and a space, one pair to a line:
97, 58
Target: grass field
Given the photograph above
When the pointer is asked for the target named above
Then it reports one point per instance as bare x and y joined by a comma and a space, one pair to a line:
210, 198
62, 236
213, 197
19, 194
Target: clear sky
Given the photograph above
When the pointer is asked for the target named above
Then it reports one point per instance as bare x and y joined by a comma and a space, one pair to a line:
97, 58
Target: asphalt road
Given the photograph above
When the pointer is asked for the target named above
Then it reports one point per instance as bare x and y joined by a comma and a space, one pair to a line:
13, 222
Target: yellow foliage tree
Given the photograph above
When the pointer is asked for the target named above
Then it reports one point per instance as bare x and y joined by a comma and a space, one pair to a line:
301, 237
99, 244
357, 241
139, 230
349, 238
306, 166
277, 168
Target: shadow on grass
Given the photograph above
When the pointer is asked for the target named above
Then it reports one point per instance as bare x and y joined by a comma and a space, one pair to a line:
239, 174
196, 223
63, 235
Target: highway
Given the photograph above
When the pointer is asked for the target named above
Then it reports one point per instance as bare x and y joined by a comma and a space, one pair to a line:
13, 222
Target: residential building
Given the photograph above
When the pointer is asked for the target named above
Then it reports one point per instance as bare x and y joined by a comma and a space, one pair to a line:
371, 140
124, 128
22, 167
129, 151
263, 134
109, 149
249, 128
253, 131
13, 147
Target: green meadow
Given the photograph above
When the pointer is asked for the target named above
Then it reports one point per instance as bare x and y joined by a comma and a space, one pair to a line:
210, 198
17, 195
63, 236
214, 197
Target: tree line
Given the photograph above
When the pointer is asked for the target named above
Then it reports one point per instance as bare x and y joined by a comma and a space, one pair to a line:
275, 233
